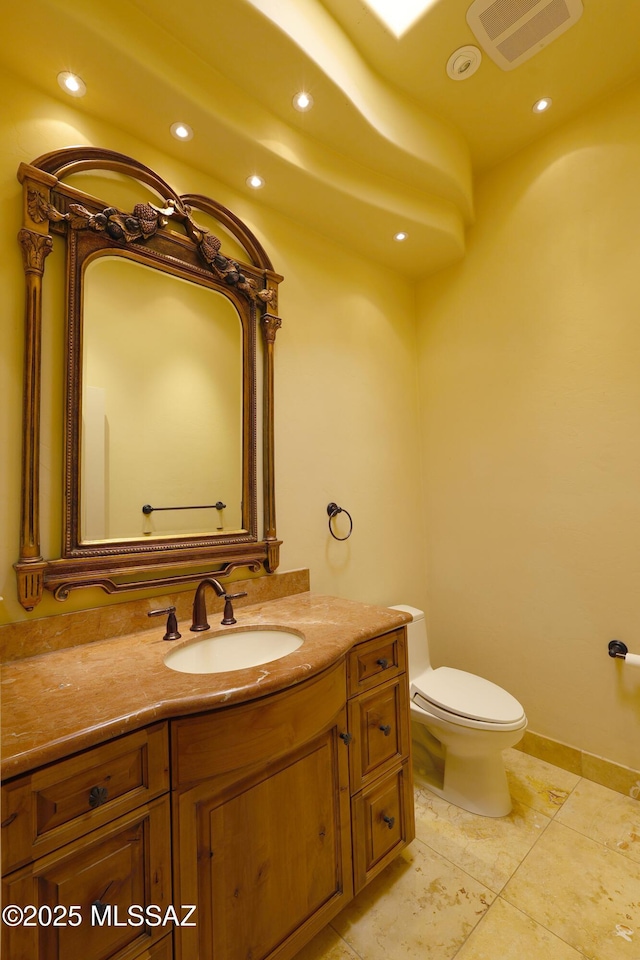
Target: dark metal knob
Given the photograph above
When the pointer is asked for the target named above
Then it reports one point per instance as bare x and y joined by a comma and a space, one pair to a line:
389, 821
97, 796
383, 662
347, 737
99, 908
386, 729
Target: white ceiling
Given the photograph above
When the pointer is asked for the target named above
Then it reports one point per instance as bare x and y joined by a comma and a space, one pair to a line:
391, 143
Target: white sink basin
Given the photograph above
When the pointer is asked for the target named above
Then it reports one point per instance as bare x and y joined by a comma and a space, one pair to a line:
234, 650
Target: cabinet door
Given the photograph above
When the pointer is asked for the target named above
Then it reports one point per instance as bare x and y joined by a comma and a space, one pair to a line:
124, 864
383, 823
379, 726
271, 860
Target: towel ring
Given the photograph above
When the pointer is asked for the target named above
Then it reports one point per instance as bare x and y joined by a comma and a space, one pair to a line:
333, 510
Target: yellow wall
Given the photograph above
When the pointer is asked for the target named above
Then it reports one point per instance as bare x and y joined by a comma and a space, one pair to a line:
528, 388
530, 396
346, 382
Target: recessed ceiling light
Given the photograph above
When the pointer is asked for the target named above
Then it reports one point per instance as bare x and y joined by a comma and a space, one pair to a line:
181, 131
303, 101
541, 105
400, 236
72, 84
255, 181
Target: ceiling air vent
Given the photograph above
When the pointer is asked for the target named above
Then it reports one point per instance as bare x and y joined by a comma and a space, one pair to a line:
511, 31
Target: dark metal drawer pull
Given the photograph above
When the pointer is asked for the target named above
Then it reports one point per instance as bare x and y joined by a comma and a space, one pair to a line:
97, 796
383, 662
386, 729
346, 737
389, 821
99, 908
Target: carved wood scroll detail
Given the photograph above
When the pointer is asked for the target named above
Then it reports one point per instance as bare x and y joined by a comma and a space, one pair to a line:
127, 227
40, 209
270, 298
143, 222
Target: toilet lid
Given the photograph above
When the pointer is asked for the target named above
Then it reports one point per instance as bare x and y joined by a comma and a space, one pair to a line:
467, 695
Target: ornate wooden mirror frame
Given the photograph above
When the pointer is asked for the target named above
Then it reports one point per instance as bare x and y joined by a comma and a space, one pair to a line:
168, 238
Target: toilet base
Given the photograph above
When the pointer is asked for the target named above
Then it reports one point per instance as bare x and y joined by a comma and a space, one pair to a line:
477, 784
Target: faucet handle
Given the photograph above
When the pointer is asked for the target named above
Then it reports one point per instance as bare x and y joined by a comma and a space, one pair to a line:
172, 623
228, 617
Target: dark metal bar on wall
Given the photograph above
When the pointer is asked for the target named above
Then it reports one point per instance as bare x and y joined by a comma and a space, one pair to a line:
147, 509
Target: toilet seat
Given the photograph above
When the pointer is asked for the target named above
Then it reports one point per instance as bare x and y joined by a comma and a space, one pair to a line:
466, 699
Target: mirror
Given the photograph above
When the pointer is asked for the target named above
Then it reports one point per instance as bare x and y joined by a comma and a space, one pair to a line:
161, 440
161, 408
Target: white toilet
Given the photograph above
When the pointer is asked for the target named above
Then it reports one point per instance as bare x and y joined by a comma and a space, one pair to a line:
472, 719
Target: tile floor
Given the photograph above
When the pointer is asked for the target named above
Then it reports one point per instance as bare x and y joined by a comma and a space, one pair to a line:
558, 879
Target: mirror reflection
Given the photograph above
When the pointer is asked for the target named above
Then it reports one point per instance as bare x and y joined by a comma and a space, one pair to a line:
161, 405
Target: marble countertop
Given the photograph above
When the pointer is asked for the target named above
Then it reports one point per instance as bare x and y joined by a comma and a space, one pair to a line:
58, 703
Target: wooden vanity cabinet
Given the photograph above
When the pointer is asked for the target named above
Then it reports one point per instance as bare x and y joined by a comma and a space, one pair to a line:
92, 832
383, 819
272, 850
280, 809
264, 848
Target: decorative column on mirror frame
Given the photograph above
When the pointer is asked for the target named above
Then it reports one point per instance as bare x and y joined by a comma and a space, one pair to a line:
36, 244
270, 325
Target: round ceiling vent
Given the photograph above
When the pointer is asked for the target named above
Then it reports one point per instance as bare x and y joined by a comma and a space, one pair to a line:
463, 63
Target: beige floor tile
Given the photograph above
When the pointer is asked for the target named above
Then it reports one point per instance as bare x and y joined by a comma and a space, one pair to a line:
536, 783
420, 908
606, 816
327, 945
507, 933
488, 848
583, 892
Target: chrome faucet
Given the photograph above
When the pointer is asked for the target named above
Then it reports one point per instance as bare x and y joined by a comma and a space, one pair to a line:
200, 609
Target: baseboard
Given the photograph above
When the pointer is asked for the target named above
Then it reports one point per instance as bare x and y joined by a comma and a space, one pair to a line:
588, 765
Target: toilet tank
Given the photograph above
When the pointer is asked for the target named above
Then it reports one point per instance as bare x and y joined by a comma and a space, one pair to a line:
417, 643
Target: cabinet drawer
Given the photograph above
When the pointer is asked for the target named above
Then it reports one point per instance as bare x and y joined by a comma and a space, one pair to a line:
379, 728
383, 823
377, 660
52, 806
104, 874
